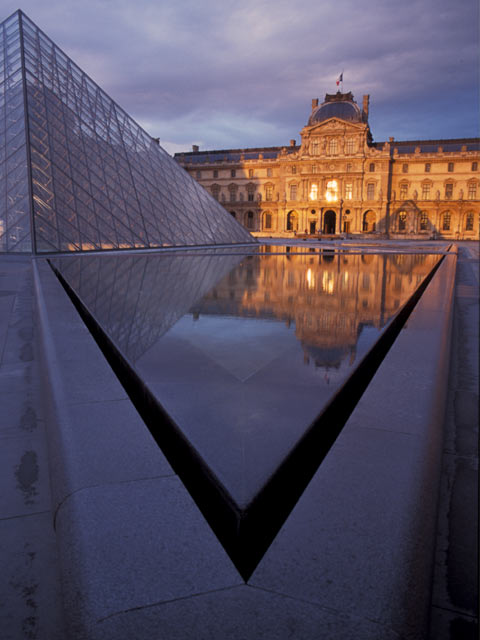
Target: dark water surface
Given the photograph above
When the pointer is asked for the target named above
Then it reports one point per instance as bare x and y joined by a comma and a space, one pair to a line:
244, 350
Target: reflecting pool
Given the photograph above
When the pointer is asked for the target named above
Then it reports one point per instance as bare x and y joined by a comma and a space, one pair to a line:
244, 350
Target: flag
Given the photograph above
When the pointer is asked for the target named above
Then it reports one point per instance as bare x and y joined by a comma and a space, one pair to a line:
340, 79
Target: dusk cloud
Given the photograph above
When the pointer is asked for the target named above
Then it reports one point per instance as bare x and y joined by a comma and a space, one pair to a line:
228, 74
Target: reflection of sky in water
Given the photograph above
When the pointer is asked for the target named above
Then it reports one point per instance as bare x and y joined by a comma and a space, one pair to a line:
244, 352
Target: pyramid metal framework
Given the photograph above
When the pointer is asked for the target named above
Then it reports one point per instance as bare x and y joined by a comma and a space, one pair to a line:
77, 173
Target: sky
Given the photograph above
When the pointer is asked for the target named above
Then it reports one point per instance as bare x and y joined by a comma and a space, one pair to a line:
242, 73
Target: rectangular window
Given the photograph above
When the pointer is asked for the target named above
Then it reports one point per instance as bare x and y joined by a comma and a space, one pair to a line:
293, 192
294, 169
348, 191
472, 191
349, 167
333, 147
350, 147
403, 191
269, 193
199, 175
370, 191
269, 173
450, 167
405, 168
446, 222
233, 196
233, 173
428, 166
448, 191
315, 148
215, 173
250, 173
425, 191
314, 168
474, 166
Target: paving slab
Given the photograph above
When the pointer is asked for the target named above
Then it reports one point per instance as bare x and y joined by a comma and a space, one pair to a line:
132, 545
29, 581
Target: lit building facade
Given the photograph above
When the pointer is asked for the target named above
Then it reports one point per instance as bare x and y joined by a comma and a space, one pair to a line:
338, 181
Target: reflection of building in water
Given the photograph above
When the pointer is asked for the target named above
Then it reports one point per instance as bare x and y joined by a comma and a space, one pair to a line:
329, 297
137, 298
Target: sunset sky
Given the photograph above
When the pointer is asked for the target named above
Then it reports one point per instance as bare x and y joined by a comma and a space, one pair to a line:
224, 73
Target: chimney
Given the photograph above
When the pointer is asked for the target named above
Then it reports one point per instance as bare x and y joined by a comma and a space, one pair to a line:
195, 148
314, 103
366, 100
292, 143
391, 139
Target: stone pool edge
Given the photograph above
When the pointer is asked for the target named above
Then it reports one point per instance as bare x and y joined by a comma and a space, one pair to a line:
110, 579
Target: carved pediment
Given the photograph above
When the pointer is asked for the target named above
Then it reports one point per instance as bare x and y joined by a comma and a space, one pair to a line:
334, 125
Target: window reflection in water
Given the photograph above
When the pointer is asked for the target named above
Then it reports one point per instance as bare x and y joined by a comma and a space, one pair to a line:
327, 300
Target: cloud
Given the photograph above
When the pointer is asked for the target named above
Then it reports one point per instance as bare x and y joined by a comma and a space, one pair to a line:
237, 74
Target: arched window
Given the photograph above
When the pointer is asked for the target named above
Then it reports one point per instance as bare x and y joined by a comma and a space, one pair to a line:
333, 147
402, 221
446, 221
215, 188
423, 221
469, 222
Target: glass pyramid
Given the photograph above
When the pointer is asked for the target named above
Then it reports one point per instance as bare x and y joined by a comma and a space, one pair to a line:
77, 173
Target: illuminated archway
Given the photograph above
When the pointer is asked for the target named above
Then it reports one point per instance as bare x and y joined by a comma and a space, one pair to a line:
369, 221
329, 221
292, 221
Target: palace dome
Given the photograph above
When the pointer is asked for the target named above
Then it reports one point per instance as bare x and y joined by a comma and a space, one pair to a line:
340, 105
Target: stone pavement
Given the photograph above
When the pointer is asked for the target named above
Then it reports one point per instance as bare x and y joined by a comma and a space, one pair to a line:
30, 595
29, 584
455, 592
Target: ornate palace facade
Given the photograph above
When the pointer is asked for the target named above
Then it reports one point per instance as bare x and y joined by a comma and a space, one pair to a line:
338, 181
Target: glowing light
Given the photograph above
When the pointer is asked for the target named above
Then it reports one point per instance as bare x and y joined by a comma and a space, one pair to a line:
313, 192
310, 279
327, 282
332, 191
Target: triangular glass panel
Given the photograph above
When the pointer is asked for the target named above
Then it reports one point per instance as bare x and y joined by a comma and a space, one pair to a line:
47, 102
